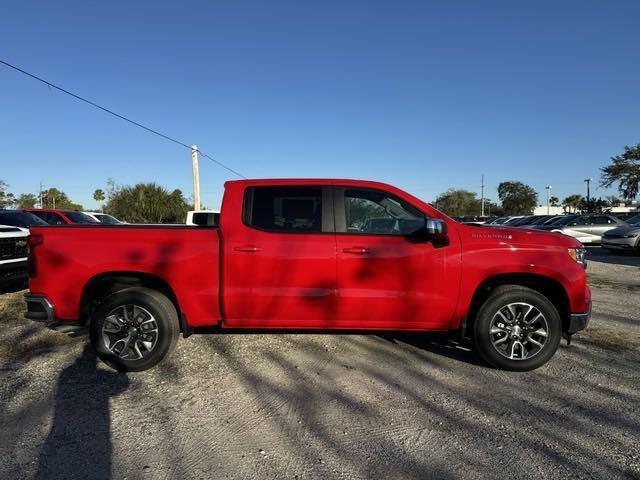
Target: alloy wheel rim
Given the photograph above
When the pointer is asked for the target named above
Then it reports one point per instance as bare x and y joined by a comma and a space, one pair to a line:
518, 331
130, 332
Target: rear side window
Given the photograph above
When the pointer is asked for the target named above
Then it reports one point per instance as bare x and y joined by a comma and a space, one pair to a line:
284, 209
79, 217
603, 220
54, 219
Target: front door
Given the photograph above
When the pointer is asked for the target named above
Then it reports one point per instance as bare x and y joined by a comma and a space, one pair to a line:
389, 276
280, 261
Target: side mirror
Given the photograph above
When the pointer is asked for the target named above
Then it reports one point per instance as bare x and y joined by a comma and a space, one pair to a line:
435, 227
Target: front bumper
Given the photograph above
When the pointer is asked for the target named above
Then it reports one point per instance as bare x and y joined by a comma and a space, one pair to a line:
12, 272
619, 243
579, 321
39, 308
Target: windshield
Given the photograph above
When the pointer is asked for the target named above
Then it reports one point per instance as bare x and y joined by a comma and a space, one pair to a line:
20, 219
635, 221
564, 220
106, 219
79, 217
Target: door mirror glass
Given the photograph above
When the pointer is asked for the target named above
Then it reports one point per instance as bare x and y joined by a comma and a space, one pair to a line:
435, 227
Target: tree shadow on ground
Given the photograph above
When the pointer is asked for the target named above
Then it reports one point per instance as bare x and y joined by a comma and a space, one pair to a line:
443, 344
79, 442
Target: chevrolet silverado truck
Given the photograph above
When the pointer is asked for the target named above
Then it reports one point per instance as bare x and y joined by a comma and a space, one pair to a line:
315, 254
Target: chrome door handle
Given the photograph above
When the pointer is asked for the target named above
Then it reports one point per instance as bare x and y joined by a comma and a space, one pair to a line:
246, 248
356, 250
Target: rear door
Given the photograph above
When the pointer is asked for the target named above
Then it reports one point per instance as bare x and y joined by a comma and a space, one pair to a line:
388, 275
279, 258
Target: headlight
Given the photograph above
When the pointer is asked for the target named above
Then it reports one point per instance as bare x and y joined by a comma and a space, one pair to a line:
631, 235
577, 254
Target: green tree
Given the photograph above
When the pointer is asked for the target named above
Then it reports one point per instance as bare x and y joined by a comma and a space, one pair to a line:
554, 201
147, 203
54, 198
7, 200
517, 198
613, 201
458, 202
26, 200
594, 205
625, 170
99, 197
571, 203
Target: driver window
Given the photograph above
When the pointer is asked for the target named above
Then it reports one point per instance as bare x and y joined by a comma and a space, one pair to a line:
376, 212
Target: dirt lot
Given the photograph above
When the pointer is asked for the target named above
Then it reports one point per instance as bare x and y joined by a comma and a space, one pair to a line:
327, 406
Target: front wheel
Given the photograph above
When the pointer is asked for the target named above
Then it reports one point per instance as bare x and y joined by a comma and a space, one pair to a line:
517, 329
134, 329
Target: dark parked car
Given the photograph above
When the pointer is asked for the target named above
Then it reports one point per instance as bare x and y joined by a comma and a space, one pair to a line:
18, 218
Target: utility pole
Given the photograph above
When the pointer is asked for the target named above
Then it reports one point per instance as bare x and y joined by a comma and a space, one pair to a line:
482, 196
588, 182
548, 188
41, 206
196, 177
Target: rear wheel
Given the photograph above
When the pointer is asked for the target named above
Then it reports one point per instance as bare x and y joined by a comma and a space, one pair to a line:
134, 329
517, 329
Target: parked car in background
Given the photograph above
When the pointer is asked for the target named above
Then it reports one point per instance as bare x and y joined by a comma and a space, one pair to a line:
626, 237
103, 218
585, 228
544, 219
203, 217
625, 216
471, 219
13, 258
312, 254
498, 221
60, 216
528, 220
18, 218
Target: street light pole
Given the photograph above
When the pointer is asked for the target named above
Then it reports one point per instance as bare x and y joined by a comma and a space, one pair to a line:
588, 182
548, 188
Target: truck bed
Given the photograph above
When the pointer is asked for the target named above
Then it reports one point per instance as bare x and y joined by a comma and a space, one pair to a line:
186, 258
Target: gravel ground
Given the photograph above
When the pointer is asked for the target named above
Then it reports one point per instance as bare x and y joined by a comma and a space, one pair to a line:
258, 406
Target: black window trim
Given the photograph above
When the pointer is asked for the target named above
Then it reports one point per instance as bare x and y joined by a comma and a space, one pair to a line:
341, 216
326, 204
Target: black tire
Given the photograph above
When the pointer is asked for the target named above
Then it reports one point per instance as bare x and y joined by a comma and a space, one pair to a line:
163, 313
498, 300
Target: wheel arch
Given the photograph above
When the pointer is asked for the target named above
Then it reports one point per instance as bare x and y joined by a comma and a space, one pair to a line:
103, 285
547, 286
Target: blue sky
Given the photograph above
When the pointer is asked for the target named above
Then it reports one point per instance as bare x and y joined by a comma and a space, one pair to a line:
425, 95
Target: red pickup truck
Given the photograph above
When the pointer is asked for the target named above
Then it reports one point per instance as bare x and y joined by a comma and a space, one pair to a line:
311, 254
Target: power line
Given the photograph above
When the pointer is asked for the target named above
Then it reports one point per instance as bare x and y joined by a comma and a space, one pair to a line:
122, 117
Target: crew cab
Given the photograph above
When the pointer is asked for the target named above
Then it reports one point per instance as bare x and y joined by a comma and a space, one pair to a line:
297, 254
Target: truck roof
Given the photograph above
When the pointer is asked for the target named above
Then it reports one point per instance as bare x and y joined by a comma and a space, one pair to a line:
312, 181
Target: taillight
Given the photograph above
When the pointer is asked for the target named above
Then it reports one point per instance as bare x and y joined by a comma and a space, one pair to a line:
33, 240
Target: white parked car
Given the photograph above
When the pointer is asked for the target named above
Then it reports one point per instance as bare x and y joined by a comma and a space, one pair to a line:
13, 257
203, 217
104, 218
